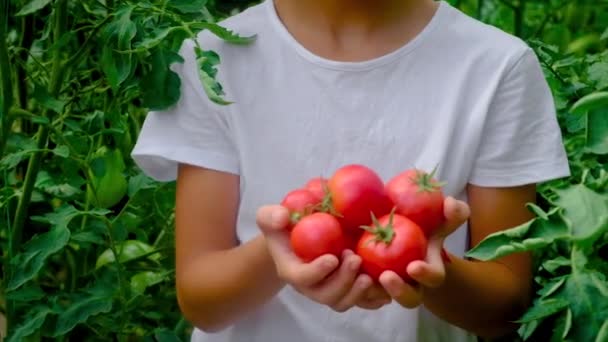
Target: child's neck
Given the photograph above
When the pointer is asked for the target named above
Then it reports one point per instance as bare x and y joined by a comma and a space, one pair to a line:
337, 29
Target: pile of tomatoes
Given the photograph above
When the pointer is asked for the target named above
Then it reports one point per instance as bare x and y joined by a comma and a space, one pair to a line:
388, 225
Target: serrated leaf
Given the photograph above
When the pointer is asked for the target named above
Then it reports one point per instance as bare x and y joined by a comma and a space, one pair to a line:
223, 33
551, 287
28, 263
29, 326
156, 37
161, 86
119, 34
584, 210
26, 294
82, 308
553, 264
532, 235
188, 6
542, 309
32, 6
598, 73
206, 72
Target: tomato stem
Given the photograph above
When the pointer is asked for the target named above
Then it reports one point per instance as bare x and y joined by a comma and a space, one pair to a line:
426, 181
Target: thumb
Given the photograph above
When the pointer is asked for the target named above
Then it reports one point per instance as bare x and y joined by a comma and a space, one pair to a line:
272, 218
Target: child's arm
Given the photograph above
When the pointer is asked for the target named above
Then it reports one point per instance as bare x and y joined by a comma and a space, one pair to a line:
216, 280
484, 296
481, 297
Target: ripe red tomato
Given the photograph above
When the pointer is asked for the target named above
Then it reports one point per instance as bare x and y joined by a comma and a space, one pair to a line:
357, 192
391, 243
418, 196
315, 235
300, 202
317, 186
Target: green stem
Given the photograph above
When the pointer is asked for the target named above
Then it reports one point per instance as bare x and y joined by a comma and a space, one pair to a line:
5, 75
518, 12
480, 4
33, 167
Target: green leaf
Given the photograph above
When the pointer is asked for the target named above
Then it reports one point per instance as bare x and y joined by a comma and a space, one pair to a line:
33, 323
28, 263
139, 182
157, 37
597, 131
166, 335
543, 308
602, 336
598, 74
223, 33
590, 102
587, 292
551, 287
97, 300
127, 251
62, 151
553, 264
532, 235
188, 6
119, 34
161, 86
562, 326
33, 6
47, 101
26, 294
206, 73
143, 280
584, 210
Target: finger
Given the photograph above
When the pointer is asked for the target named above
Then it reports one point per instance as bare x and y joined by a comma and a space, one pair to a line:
376, 292
403, 293
429, 275
272, 218
306, 275
356, 293
337, 285
456, 213
373, 304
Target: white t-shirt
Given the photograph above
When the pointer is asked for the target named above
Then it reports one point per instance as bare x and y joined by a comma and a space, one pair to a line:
462, 95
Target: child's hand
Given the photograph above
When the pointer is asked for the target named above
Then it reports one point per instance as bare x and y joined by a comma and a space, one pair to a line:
326, 280
431, 272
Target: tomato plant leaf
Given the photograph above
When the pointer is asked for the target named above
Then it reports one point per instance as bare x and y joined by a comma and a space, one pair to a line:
223, 33
119, 34
532, 235
98, 299
160, 86
598, 74
42, 96
139, 182
61, 151
166, 335
31, 325
26, 294
603, 334
597, 131
127, 251
188, 6
552, 265
544, 308
36, 251
142, 280
584, 210
590, 102
32, 6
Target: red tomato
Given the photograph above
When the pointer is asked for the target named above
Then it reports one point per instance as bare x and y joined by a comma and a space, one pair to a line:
315, 235
392, 243
418, 196
357, 192
300, 203
318, 186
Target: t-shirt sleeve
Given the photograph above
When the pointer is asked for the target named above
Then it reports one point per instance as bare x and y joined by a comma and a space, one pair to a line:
522, 141
194, 131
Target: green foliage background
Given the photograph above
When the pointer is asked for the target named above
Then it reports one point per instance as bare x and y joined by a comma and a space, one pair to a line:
87, 239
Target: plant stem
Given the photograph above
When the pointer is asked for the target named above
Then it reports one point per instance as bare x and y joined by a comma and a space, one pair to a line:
518, 12
5, 75
16, 231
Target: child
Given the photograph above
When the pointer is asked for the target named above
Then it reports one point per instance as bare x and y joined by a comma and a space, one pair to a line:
390, 84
